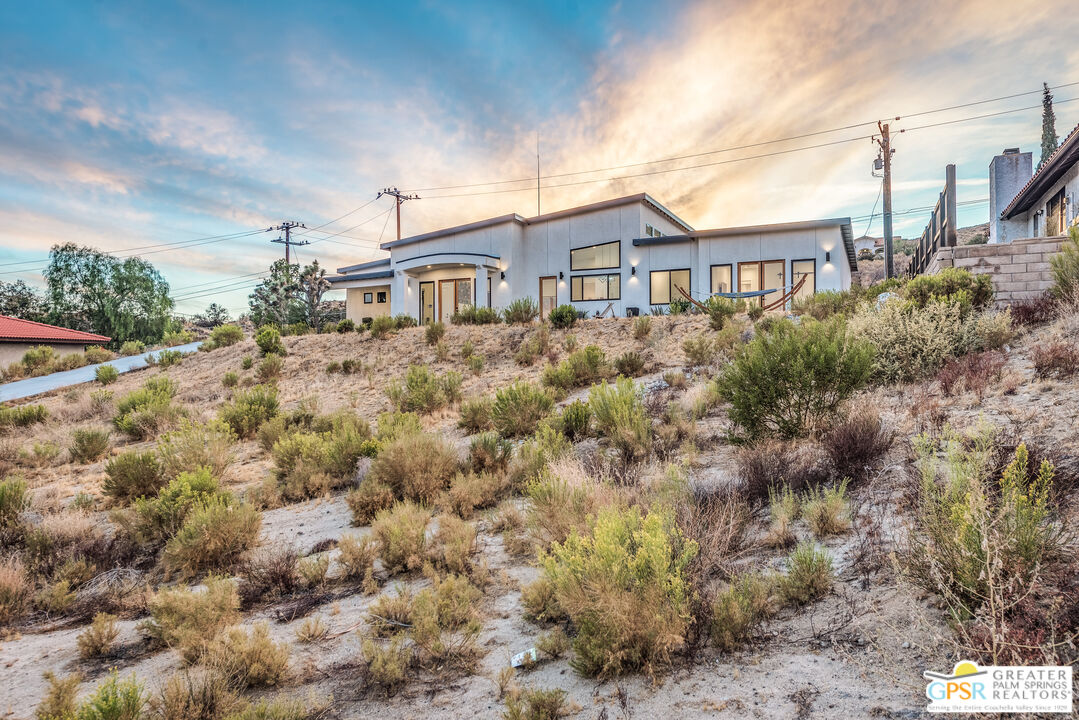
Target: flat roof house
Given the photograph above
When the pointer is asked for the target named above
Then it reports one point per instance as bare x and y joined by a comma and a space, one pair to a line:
17, 336
622, 255
1023, 204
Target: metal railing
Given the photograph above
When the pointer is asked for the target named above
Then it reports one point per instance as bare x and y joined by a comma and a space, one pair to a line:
940, 232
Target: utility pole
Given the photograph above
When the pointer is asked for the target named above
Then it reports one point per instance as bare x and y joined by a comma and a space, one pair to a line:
286, 227
538, 213
401, 197
884, 142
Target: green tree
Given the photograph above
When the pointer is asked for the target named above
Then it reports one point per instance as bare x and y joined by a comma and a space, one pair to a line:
215, 315
277, 300
18, 299
126, 299
314, 285
1049, 125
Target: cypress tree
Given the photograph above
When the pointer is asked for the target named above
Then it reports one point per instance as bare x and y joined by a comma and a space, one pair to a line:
1049, 125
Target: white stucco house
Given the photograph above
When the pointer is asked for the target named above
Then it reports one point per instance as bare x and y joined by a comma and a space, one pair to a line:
1025, 204
622, 256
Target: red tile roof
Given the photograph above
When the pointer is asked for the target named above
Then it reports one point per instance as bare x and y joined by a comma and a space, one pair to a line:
16, 330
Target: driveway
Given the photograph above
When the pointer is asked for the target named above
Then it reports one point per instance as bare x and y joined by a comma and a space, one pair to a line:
35, 386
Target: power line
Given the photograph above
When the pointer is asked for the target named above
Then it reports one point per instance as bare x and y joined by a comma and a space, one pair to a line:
880, 190
738, 147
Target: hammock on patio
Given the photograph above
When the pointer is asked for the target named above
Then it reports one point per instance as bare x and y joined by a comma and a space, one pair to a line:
789, 292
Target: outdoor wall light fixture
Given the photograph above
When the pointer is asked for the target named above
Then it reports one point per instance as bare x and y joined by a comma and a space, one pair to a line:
828, 256
560, 275
633, 270
503, 274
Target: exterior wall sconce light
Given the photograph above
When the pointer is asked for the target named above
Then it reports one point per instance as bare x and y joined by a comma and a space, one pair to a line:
828, 256
560, 275
503, 274
633, 270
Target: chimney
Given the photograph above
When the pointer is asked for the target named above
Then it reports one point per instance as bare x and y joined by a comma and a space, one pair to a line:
1009, 172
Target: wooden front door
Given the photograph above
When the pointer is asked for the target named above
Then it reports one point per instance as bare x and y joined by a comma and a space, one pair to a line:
548, 295
765, 275
452, 296
427, 302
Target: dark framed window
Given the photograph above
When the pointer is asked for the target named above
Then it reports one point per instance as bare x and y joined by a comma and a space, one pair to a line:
382, 296
721, 278
809, 269
596, 257
595, 287
368, 298
662, 284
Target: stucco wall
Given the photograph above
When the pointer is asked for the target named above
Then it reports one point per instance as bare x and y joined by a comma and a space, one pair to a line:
13, 351
1020, 269
356, 309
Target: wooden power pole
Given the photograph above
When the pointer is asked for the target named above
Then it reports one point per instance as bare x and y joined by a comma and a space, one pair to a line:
401, 197
885, 144
286, 227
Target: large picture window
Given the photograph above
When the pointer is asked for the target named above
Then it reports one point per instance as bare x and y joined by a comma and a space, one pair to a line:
721, 279
663, 284
594, 287
808, 268
596, 257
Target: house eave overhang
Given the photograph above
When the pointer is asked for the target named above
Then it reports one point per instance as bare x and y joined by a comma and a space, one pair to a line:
365, 266
1055, 167
435, 261
381, 274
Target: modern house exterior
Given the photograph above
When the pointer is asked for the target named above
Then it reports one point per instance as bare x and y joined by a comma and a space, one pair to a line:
17, 336
617, 257
1025, 204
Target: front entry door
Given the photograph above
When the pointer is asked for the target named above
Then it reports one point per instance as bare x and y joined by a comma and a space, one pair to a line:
446, 304
548, 295
427, 302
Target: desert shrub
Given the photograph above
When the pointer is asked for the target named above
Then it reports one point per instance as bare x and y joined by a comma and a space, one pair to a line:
554, 642
720, 310
582, 368
314, 570
132, 347
14, 589
214, 535
59, 701
625, 589
270, 368
564, 500
249, 409
106, 374
382, 326
14, 499
489, 452
475, 414
357, 555
533, 456
1038, 310
404, 320
467, 348
114, 699
518, 408
22, 416
972, 372
38, 357
247, 362
196, 444
576, 420
391, 614
401, 533
225, 335
145, 412
630, 364
452, 544
395, 425
387, 664
951, 285
188, 619
521, 310
230, 379
856, 441
470, 491
415, 466
249, 658
755, 312
434, 332
1065, 267
563, 316
811, 369
199, 693
267, 570
642, 326
268, 339
699, 349
88, 445
739, 609
809, 574
784, 507
621, 417
172, 338
472, 315
1055, 359
445, 622
367, 500
132, 474
98, 639
535, 345
167, 358
311, 630
826, 511
475, 364
344, 326
158, 519
423, 390
768, 463
535, 704
309, 463
827, 303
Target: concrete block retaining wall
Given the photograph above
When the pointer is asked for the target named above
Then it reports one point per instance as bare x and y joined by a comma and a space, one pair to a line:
1020, 269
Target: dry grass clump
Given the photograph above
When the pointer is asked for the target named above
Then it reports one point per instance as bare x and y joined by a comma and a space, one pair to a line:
739, 609
131, 475
401, 533
215, 534
536, 704
312, 630
268, 571
809, 574
446, 622
856, 442
195, 693
717, 522
248, 657
415, 467
827, 511
554, 642
453, 544
88, 445
314, 570
564, 499
620, 417
471, 491
188, 620
475, 414
98, 639
768, 463
518, 409
784, 508
15, 589
388, 663
60, 698
539, 601
391, 614
367, 500
700, 349
196, 444
642, 326
357, 555
1057, 359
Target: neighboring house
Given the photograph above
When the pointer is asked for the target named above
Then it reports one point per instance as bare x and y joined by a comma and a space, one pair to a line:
17, 336
622, 255
1023, 204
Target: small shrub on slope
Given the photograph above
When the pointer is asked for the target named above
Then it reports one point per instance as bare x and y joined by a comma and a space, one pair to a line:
621, 418
518, 409
249, 409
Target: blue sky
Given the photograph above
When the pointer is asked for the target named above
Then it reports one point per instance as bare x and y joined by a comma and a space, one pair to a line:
127, 125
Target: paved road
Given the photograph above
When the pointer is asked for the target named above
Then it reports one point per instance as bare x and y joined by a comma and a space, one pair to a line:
34, 386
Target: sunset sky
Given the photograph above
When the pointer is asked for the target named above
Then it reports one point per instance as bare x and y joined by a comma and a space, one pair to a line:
133, 125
